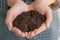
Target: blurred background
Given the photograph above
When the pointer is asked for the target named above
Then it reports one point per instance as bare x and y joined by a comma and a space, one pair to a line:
59, 22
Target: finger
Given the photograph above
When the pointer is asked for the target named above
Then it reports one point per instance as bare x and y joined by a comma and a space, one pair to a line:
26, 34
30, 34
33, 33
49, 17
40, 29
9, 24
8, 20
18, 32
37, 31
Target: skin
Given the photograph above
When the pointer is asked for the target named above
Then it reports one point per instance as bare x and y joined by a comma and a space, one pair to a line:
18, 6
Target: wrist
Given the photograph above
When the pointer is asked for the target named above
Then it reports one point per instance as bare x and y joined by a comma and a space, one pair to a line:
12, 2
47, 2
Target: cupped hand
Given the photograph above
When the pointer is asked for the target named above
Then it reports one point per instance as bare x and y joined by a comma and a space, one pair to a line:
20, 7
44, 10
12, 13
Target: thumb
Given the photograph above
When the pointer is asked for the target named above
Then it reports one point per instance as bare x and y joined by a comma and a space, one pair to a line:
49, 17
9, 24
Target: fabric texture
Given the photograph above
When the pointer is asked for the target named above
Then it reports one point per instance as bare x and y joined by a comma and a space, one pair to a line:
49, 34
28, 1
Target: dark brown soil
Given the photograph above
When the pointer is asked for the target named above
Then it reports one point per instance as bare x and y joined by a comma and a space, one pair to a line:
28, 21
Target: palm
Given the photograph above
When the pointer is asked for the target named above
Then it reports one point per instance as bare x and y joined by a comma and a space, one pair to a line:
12, 14
43, 9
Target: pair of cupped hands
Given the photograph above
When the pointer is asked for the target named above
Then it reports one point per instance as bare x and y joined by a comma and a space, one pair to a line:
20, 7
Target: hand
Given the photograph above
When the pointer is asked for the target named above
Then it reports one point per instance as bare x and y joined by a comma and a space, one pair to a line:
36, 31
18, 32
44, 10
12, 14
